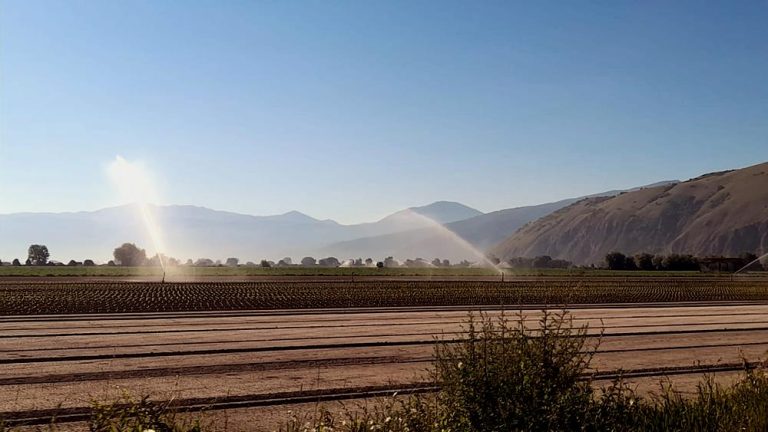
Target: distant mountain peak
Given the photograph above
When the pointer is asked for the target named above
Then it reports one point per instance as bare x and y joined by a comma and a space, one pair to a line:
444, 205
297, 216
439, 211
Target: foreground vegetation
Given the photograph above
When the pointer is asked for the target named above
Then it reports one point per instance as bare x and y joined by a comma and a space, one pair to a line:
46, 297
501, 376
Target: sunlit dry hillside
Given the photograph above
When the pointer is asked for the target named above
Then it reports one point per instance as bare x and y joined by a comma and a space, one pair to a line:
724, 213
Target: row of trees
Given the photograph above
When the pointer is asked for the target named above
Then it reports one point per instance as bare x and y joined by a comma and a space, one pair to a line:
674, 262
130, 255
329, 262
539, 262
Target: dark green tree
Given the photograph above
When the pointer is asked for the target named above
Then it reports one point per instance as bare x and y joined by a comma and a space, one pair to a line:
38, 254
329, 262
616, 261
677, 262
204, 262
644, 261
629, 263
658, 262
390, 262
541, 262
130, 255
750, 259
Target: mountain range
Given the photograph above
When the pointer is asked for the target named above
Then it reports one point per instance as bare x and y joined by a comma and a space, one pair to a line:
718, 213
463, 239
195, 232
444, 229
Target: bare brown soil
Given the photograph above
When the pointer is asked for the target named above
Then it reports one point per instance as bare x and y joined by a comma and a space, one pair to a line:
68, 361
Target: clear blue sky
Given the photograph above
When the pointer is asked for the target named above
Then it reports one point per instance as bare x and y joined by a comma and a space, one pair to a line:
350, 110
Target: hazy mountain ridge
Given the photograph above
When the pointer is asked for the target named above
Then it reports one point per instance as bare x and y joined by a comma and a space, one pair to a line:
480, 232
723, 213
194, 232
439, 211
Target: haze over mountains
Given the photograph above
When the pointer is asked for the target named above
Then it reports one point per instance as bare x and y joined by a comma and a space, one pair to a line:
721, 213
479, 234
195, 232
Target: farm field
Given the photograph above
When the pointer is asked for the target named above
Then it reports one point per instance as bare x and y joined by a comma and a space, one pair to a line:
257, 349
19, 297
184, 273
241, 271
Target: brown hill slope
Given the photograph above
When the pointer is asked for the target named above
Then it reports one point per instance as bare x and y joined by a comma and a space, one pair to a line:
720, 213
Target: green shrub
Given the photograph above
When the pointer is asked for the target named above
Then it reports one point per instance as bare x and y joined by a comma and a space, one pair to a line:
391, 415
503, 376
141, 415
740, 407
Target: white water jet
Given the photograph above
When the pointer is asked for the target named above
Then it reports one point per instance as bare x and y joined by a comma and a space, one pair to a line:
135, 186
456, 239
759, 259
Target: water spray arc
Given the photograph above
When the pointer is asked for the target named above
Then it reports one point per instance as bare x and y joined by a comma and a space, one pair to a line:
153, 229
456, 239
135, 185
759, 259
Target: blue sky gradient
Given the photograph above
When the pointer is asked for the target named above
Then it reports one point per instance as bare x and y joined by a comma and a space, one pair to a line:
351, 110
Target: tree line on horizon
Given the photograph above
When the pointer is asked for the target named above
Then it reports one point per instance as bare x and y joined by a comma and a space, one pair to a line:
681, 262
130, 255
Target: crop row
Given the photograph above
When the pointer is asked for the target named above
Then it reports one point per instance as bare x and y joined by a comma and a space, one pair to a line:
107, 297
